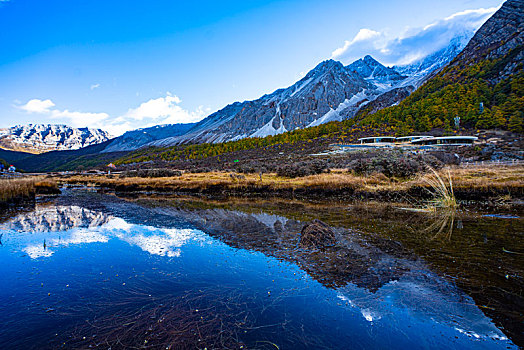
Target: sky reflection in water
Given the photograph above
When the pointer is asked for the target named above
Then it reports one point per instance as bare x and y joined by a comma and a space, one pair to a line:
60, 258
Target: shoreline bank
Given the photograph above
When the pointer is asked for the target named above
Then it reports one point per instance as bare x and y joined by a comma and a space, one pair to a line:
481, 183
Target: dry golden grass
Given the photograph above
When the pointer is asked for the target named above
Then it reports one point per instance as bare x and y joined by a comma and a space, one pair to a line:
23, 188
16, 188
487, 176
441, 190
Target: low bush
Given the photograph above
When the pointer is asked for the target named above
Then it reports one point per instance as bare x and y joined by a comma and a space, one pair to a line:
301, 169
151, 173
446, 157
395, 165
200, 170
255, 167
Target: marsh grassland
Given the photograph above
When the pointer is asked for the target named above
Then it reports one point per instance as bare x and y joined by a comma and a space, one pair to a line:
498, 182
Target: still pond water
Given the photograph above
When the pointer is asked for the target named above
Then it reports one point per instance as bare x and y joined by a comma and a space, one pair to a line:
91, 270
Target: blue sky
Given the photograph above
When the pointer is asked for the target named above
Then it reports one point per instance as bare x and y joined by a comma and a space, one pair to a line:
119, 65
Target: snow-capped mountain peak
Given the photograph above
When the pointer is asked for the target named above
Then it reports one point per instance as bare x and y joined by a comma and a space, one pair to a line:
374, 71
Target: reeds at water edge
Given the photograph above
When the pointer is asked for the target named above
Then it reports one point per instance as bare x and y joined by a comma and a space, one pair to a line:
442, 193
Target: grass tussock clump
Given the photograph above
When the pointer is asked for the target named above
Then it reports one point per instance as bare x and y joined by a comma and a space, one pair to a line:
46, 187
442, 191
18, 190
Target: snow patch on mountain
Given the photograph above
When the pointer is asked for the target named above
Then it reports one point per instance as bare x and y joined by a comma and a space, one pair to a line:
135, 139
269, 129
418, 71
334, 114
301, 87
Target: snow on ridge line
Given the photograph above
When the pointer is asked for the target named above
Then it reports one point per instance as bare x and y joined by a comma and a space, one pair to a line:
301, 87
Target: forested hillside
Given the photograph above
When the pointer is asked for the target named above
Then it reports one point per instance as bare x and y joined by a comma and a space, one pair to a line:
489, 71
459, 92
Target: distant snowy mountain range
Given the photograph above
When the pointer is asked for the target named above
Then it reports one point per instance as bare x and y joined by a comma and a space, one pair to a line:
329, 92
38, 138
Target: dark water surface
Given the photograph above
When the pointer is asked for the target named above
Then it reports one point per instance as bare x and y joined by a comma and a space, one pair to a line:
90, 270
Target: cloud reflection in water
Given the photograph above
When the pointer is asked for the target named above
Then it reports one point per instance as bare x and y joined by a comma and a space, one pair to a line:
41, 233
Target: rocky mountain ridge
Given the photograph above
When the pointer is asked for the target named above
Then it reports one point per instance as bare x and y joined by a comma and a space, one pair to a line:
482, 84
329, 92
380, 75
325, 88
501, 35
134, 139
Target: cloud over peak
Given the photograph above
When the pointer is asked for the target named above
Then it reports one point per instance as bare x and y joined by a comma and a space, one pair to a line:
156, 108
78, 119
37, 106
162, 110
414, 43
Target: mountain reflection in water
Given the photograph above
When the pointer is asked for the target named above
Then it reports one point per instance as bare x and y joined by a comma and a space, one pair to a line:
210, 276
43, 231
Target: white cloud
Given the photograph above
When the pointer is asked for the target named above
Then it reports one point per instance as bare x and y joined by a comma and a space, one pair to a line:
480, 11
162, 110
80, 119
37, 106
156, 108
95, 86
414, 43
76, 119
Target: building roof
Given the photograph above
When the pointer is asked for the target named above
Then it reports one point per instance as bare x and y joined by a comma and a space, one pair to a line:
468, 138
377, 137
414, 137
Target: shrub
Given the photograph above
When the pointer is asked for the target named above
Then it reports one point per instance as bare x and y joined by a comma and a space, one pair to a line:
395, 164
254, 167
445, 157
151, 173
301, 169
